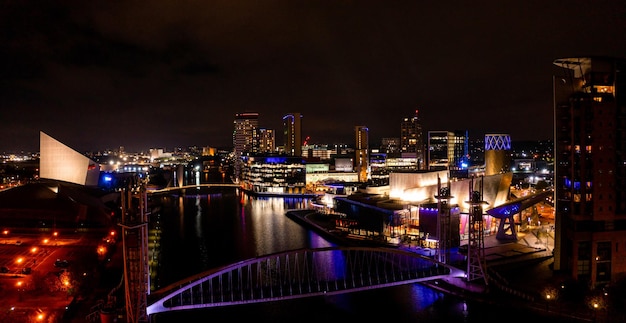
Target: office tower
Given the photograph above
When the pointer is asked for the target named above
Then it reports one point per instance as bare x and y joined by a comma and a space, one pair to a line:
459, 161
448, 150
411, 139
361, 148
292, 126
245, 136
590, 168
477, 151
438, 149
267, 141
497, 154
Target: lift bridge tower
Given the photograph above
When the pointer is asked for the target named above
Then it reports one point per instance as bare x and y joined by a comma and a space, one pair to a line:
135, 247
476, 264
443, 222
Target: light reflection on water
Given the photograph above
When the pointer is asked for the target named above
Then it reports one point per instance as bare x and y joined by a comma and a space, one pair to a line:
200, 232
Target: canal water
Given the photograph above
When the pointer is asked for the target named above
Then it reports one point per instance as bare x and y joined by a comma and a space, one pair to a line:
195, 230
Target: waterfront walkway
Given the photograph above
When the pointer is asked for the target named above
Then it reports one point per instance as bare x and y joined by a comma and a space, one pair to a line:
519, 272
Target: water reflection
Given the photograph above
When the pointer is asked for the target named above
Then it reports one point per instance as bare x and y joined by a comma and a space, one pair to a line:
214, 227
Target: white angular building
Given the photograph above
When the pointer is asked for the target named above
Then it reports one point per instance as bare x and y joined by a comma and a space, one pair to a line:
60, 162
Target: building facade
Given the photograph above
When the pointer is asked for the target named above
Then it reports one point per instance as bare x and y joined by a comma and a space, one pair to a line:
292, 130
590, 169
411, 138
60, 162
497, 153
245, 135
274, 174
361, 151
267, 141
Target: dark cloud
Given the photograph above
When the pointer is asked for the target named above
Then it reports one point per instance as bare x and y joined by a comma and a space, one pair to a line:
103, 74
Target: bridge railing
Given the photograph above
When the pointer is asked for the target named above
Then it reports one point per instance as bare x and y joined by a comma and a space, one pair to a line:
300, 273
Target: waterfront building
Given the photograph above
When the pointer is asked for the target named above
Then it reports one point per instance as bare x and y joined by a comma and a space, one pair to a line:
318, 175
274, 174
590, 168
497, 153
60, 162
292, 127
361, 151
411, 138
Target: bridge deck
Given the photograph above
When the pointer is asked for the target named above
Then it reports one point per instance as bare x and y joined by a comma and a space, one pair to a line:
299, 273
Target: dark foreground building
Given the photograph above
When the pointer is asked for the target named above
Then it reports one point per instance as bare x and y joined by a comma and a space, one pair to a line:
590, 169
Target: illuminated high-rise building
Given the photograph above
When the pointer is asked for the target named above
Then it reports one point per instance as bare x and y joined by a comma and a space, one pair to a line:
267, 141
411, 138
292, 126
361, 151
590, 169
245, 134
245, 137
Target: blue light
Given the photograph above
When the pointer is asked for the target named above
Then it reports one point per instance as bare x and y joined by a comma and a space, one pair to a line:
276, 160
568, 183
108, 178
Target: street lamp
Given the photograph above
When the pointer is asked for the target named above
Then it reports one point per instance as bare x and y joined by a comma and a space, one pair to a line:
19, 289
551, 295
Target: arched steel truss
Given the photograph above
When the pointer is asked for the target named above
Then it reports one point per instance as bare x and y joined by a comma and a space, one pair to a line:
299, 273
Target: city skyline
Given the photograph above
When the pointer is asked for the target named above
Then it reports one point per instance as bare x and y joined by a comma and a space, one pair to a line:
101, 76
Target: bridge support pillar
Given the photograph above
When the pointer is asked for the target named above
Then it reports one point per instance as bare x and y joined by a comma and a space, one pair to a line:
135, 247
443, 222
476, 264
506, 229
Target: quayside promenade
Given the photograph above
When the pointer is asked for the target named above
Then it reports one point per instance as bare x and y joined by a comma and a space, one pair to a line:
519, 272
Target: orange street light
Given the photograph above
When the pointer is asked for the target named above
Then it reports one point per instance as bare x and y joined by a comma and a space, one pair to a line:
5, 232
33, 249
19, 260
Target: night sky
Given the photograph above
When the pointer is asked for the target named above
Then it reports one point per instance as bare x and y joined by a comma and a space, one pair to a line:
166, 74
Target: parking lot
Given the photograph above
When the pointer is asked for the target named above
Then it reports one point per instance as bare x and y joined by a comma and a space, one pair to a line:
29, 262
